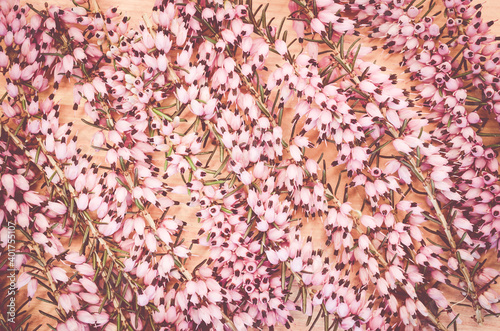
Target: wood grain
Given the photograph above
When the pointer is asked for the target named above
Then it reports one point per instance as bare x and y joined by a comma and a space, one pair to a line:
278, 9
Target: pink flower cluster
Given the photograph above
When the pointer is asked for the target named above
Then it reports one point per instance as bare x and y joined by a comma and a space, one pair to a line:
189, 112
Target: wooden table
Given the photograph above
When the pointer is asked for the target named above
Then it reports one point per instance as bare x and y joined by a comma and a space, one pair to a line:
278, 9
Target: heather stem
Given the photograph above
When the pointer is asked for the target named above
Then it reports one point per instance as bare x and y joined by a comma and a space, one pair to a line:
52, 284
36, 247
47, 272
471, 289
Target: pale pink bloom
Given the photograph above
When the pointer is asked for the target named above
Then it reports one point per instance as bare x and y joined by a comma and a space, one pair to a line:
465, 255
90, 298
98, 139
68, 63
164, 235
491, 296
101, 318
89, 285
8, 184
32, 287
21, 182
121, 194
57, 207
85, 317
396, 272
15, 71
22, 280
151, 242
8, 110
95, 202
123, 126
299, 27
4, 60
88, 91
228, 36
65, 302
462, 223
401, 146
405, 175
182, 95
246, 178
59, 274
40, 238
368, 221
82, 201
60, 151
142, 300
367, 86
296, 153
296, 264
181, 252
79, 54
393, 118
75, 258
41, 222
281, 47
85, 269
111, 156
343, 310
272, 257
438, 297
317, 26
11, 205
438, 175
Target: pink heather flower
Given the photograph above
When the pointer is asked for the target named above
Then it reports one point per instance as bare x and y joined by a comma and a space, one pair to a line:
8, 184
57, 208
65, 303
281, 47
99, 139
85, 317
401, 146
32, 287
75, 258
296, 264
101, 318
22, 280
317, 26
59, 274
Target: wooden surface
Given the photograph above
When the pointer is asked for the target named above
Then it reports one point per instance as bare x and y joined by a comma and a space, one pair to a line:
278, 9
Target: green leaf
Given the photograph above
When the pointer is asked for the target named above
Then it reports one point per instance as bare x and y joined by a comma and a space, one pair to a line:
50, 316
48, 301
139, 204
40, 262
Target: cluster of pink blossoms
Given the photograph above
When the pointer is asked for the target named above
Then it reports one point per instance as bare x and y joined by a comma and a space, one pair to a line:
188, 112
